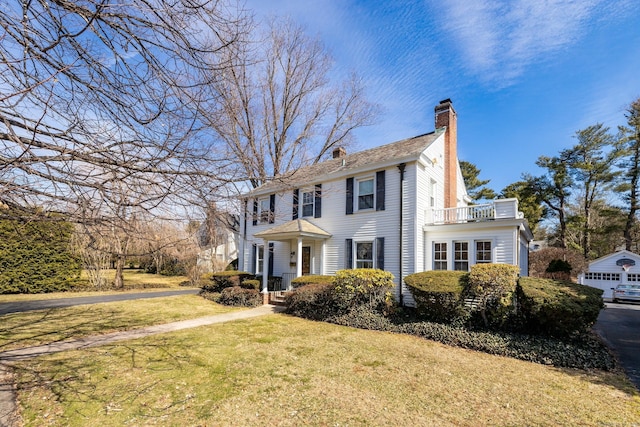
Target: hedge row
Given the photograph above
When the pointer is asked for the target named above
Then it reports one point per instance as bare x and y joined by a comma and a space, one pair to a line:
491, 296
36, 256
582, 352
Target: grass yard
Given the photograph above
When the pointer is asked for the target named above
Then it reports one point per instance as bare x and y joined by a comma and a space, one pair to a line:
134, 281
286, 371
45, 326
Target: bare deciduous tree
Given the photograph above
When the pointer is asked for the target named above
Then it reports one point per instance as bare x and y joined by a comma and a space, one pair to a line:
100, 99
276, 107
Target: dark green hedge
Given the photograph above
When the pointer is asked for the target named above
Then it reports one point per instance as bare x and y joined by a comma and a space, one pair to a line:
532, 305
558, 308
439, 295
311, 279
36, 257
240, 297
226, 279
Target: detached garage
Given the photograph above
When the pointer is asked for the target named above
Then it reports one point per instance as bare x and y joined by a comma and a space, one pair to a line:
611, 270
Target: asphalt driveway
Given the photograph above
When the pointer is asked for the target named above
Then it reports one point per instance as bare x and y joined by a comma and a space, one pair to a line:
16, 307
619, 327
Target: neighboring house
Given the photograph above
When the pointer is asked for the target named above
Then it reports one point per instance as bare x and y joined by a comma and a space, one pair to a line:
219, 240
401, 207
612, 270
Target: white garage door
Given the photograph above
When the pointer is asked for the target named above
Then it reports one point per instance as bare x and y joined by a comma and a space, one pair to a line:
604, 281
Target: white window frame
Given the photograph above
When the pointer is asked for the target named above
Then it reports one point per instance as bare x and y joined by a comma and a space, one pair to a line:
483, 251
440, 251
372, 194
433, 187
259, 260
312, 204
356, 258
459, 262
264, 210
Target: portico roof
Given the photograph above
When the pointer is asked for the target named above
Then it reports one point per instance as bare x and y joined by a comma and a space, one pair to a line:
293, 229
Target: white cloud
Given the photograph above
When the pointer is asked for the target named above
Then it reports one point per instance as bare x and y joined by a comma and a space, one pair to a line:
498, 40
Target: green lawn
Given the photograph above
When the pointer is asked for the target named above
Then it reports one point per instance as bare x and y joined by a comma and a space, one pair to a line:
286, 371
32, 328
134, 281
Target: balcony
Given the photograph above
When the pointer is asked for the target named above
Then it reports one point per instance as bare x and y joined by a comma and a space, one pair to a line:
498, 209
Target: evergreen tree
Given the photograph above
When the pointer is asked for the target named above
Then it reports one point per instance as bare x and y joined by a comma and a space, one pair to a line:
629, 140
476, 187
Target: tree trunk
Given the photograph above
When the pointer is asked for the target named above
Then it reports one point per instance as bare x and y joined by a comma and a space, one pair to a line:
118, 282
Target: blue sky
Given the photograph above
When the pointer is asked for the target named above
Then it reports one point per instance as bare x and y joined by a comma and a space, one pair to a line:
523, 75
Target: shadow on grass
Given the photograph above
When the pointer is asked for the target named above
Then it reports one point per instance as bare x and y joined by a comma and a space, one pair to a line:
133, 379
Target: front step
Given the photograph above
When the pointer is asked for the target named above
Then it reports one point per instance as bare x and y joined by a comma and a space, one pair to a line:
277, 297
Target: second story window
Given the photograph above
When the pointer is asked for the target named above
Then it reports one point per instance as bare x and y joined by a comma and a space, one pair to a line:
308, 198
365, 194
265, 210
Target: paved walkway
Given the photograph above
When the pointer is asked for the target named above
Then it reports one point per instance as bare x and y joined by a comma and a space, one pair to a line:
7, 392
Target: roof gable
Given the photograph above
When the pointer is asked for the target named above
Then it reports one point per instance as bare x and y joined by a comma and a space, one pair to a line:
614, 256
374, 158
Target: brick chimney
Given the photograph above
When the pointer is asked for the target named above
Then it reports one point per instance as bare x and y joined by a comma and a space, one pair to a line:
446, 117
339, 152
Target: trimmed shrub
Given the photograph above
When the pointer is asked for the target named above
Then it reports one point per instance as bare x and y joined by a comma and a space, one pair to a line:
240, 297
36, 256
558, 308
315, 301
439, 295
582, 352
311, 279
250, 284
364, 286
493, 287
226, 279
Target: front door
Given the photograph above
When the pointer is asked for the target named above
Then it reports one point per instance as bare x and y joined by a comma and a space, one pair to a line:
306, 260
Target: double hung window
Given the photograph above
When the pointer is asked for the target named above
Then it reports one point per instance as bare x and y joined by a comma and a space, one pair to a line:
308, 198
265, 209
461, 256
483, 251
364, 255
439, 256
365, 194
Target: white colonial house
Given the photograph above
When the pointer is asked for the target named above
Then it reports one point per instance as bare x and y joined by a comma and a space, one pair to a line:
622, 267
401, 207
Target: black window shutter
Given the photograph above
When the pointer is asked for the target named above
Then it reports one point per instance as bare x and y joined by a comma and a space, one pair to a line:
254, 254
255, 212
318, 201
380, 190
380, 253
271, 251
272, 208
296, 195
348, 254
349, 196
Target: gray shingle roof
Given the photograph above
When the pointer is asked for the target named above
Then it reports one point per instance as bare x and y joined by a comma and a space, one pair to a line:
315, 174
296, 227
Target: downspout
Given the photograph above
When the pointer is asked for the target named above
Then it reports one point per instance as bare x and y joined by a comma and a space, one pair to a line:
401, 167
244, 240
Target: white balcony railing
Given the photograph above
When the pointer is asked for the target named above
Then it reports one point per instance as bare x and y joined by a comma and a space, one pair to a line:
499, 209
